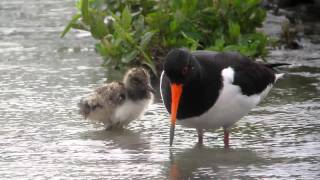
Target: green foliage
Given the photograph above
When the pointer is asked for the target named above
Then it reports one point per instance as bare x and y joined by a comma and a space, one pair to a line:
134, 32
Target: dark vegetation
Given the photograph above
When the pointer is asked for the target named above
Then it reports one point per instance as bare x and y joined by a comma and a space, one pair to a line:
141, 32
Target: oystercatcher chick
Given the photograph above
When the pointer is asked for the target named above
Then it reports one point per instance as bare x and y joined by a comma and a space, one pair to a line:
116, 104
209, 90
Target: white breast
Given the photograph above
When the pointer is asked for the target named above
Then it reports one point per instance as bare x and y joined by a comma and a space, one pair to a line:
130, 110
230, 106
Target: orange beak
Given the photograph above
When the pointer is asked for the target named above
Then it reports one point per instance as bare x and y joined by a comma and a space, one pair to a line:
176, 91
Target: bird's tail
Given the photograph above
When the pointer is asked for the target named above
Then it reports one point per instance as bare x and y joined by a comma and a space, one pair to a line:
278, 76
87, 105
84, 108
273, 65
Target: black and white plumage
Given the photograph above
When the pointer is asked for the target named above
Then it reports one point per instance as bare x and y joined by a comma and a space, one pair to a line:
116, 104
209, 90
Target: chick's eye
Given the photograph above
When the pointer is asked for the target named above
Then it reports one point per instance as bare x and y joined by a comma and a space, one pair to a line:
185, 70
135, 80
122, 97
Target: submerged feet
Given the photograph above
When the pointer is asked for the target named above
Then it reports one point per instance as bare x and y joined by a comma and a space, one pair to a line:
200, 137
225, 138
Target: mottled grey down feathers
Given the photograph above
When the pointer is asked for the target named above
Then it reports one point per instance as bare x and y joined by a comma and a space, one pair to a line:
110, 95
116, 104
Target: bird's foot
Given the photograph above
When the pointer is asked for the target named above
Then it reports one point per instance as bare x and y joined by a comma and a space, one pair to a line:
200, 137
199, 145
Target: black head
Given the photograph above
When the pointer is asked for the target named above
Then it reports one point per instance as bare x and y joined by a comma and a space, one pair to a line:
181, 66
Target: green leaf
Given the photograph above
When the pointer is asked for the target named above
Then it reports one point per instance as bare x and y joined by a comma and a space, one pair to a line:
85, 11
192, 43
139, 24
234, 30
80, 26
78, 4
146, 38
238, 3
98, 27
70, 24
129, 38
253, 2
219, 44
151, 66
232, 48
129, 57
106, 41
126, 18
173, 25
101, 50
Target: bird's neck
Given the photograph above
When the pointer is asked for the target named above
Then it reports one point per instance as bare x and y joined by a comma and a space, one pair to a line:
138, 94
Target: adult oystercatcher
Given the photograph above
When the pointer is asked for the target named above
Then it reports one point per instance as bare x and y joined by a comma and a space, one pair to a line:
116, 104
209, 90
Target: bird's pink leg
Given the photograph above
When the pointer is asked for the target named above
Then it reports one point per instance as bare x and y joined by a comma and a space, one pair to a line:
226, 138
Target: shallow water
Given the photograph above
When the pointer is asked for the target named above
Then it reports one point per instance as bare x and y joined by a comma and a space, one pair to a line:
42, 77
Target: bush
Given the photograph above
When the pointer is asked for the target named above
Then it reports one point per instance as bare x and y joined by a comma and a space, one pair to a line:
141, 32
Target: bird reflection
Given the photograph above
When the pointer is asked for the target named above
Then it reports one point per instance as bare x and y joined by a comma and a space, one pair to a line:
122, 138
208, 163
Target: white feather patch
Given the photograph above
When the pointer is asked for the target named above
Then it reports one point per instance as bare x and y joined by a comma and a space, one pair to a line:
130, 111
278, 76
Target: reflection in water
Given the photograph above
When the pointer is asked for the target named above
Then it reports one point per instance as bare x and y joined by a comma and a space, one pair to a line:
121, 138
205, 163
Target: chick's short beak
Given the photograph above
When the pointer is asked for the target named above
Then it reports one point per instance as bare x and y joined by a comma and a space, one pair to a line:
150, 88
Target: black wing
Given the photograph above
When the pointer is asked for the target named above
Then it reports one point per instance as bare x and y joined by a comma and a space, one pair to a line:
252, 77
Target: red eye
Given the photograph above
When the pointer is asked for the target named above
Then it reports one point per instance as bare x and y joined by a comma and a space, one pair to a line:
185, 70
